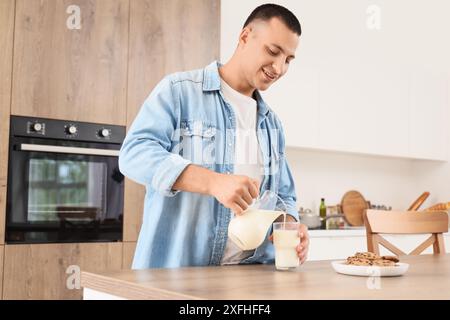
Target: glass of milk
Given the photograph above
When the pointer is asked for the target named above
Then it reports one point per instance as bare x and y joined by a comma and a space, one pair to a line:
285, 241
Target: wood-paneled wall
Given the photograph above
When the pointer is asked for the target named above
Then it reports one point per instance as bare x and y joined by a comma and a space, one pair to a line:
64, 73
128, 254
165, 37
6, 44
40, 271
99, 73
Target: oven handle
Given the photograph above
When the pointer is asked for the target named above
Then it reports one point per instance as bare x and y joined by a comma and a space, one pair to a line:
73, 150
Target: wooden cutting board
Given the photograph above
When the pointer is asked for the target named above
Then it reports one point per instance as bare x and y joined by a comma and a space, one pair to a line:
353, 205
416, 204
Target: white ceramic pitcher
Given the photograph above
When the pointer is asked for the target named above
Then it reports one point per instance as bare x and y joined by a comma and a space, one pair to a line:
249, 230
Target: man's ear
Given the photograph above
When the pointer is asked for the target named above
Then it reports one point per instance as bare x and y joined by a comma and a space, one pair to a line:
245, 33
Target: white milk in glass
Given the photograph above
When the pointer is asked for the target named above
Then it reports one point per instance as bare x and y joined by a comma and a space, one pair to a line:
285, 242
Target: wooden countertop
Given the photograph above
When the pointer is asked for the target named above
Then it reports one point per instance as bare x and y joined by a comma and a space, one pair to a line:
428, 277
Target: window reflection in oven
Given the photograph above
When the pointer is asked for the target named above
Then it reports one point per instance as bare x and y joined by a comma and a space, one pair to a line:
66, 190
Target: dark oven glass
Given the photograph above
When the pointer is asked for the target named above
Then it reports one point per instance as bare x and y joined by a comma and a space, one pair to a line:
60, 197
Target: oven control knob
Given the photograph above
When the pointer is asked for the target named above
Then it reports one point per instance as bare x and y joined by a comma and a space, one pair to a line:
71, 129
104, 133
37, 127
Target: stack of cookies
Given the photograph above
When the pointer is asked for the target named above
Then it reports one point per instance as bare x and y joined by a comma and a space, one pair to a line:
371, 259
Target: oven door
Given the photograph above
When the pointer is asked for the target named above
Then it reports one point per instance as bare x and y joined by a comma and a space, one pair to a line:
63, 191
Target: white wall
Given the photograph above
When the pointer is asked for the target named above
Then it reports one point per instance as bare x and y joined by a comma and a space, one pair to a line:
382, 180
434, 177
329, 175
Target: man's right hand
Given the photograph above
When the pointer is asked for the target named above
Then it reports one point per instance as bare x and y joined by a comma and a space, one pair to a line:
235, 192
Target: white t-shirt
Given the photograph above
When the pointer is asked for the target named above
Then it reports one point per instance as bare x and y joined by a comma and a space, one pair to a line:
247, 154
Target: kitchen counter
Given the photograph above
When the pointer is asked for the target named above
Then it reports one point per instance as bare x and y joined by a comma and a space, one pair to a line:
354, 232
341, 243
428, 277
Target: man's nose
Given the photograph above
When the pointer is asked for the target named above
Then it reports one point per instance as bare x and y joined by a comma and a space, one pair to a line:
277, 66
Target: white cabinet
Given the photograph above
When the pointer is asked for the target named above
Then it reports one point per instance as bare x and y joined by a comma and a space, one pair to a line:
340, 244
361, 111
429, 116
335, 248
369, 78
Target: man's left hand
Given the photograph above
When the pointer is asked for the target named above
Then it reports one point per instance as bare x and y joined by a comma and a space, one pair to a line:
302, 248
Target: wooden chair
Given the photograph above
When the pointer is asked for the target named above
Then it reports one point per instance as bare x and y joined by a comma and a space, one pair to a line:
405, 222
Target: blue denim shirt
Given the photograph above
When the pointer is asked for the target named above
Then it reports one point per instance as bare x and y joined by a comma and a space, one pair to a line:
186, 120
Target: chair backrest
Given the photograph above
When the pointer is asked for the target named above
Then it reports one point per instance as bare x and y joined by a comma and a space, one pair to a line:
405, 222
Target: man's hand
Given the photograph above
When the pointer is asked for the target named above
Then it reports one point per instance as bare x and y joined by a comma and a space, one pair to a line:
303, 247
234, 191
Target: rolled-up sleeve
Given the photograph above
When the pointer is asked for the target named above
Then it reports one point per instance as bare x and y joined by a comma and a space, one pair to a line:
145, 155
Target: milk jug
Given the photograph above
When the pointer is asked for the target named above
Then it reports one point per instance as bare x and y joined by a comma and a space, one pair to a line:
249, 230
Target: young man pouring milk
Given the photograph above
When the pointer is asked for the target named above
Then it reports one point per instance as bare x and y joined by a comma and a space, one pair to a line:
205, 145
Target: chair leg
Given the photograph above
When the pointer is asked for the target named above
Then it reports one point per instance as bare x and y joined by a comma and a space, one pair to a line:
439, 244
375, 244
370, 244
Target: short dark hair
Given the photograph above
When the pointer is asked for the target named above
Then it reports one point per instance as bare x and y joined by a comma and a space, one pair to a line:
268, 11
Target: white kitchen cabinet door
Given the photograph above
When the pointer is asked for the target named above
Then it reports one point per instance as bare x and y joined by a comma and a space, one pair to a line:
364, 112
390, 90
363, 85
429, 116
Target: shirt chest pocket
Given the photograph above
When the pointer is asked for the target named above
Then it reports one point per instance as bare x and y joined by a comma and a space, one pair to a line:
198, 143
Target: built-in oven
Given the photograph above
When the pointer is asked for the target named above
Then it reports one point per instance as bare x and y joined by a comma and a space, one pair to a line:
64, 183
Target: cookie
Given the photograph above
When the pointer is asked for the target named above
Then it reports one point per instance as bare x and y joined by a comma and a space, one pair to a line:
367, 255
383, 263
371, 259
391, 258
358, 261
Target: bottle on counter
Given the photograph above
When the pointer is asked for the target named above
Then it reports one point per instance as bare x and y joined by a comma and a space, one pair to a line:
323, 213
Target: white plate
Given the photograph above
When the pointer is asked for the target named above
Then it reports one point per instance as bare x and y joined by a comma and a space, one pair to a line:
370, 271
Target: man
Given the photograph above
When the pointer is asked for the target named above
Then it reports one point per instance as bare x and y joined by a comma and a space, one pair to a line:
206, 145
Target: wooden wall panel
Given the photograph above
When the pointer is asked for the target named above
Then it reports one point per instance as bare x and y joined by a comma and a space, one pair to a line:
165, 36
82, 75
128, 254
6, 46
38, 271
76, 74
